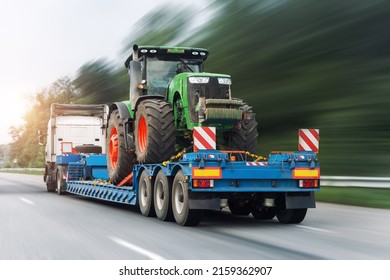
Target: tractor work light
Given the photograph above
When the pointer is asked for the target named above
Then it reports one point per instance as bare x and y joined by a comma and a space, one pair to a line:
198, 80
174, 50
224, 81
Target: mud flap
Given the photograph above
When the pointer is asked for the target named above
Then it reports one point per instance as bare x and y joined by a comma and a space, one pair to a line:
296, 200
204, 203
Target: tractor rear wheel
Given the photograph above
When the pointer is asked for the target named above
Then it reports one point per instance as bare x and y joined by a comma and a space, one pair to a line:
119, 161
154, 131
244, 136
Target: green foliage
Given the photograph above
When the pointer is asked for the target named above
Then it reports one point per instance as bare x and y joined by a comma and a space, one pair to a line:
25, 149
100, 82
104, 82
161, 26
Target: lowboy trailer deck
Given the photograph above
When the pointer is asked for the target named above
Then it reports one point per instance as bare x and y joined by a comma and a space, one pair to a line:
281, 186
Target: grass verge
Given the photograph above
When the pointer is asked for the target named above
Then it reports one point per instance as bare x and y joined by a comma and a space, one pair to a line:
30, 172
367, 197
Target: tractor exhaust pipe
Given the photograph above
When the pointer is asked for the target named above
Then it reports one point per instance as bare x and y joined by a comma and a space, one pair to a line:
135, 52
135, 77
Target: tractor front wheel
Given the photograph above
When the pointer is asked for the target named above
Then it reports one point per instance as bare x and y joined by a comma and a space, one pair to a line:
154, 131
119, 161
244, 136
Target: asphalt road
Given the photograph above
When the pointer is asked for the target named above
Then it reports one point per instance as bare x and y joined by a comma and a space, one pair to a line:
36, 225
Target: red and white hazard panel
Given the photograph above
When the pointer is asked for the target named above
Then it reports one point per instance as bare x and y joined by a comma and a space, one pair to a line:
256, 163
204, 138
309, 140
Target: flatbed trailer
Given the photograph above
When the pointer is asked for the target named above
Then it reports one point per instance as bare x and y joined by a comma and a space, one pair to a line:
282, 185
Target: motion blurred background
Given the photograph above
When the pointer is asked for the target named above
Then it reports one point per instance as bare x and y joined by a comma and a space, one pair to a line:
300, 64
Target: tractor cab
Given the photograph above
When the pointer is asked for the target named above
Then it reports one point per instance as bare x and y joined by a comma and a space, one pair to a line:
151, 68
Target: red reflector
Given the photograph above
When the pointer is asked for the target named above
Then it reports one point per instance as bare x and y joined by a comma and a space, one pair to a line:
203, 183
308, 183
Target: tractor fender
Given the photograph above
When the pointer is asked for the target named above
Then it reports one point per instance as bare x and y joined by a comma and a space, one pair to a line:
126, 118
122, 108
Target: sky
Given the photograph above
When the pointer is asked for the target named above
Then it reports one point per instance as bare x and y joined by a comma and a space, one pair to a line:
43, 40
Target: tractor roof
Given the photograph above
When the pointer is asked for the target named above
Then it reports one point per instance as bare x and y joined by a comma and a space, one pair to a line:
160, 51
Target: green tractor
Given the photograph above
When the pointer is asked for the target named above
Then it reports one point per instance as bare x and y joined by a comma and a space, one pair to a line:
170, 94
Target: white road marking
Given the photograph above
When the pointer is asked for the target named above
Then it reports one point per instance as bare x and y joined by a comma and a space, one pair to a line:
136, 248
315, 229
26, 201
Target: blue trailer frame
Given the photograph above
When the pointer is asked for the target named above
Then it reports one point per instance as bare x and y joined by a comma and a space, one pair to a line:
209, 176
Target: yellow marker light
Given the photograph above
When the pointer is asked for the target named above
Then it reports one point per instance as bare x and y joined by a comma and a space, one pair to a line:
306, 173
206, 173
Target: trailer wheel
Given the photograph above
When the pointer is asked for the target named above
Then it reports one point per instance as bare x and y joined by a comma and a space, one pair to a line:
162, 197
239, 207
61, 183
154, 131
48, 178
50, 185
180, 203
264, 213
145, 195
291, 216
119, 161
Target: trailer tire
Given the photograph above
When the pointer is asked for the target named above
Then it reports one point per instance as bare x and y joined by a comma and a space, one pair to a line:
162, 197
264, 213
50, 185
291, 216
48, 178
244, 136
145, 195
154, 131
180, 203
61, 183
237, 207
120, 162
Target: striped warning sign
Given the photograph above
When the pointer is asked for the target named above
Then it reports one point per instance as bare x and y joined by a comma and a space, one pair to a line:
309, 140
204, 138
256, 163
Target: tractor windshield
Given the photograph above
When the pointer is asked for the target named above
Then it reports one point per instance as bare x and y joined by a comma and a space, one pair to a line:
160, 72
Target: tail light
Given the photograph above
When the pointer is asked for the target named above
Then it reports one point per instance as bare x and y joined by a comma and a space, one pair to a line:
308, 183
203, 183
